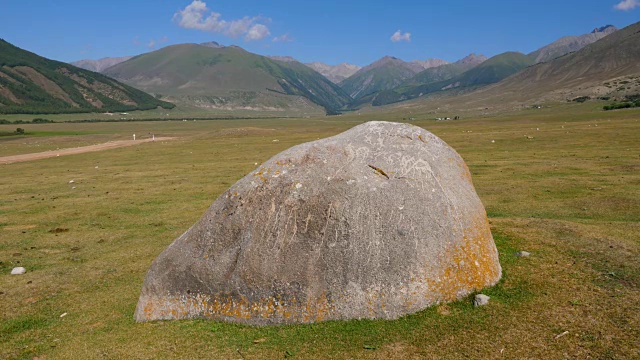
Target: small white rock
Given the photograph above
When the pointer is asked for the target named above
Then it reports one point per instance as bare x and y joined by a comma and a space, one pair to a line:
493, 141
523, 254
63, 315
18, 271
71, 181
480, 300
298, 186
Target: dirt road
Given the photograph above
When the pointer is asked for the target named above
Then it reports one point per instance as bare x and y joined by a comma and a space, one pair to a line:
78, 150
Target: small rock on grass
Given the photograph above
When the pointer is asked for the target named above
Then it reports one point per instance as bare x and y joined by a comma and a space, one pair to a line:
480, 300
18, 271
523, 254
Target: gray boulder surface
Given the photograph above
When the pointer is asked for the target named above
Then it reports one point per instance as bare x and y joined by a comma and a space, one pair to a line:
376, 222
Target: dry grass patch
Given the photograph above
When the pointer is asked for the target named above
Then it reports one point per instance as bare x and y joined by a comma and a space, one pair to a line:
582, 277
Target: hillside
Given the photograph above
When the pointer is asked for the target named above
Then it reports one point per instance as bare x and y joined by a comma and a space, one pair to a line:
33, 84
335, 73
99, 65
488, 72
608, 68
384, 74
569, 44
229, 78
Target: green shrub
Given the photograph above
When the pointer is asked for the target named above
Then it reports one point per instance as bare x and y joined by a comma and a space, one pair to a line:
623, 105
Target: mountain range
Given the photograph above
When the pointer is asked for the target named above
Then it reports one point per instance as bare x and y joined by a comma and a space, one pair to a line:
609, 67
228, 78
213, 76
32, 84
477, 71
468, 73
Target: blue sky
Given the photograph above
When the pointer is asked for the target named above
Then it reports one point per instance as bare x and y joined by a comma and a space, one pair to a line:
357, 32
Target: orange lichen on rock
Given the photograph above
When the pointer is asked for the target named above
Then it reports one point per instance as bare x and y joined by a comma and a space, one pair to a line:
223, 307
472, 264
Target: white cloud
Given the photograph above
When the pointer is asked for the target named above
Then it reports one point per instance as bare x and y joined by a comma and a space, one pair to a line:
283, 38
239, 27
627, 5
257, 32
193, 17
399, 36
198, 16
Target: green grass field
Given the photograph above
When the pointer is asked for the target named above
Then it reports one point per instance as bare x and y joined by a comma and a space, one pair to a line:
561, 183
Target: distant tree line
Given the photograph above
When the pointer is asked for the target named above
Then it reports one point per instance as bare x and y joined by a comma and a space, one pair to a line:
34, 121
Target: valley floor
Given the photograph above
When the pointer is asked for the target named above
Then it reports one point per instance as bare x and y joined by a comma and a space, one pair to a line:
560, 183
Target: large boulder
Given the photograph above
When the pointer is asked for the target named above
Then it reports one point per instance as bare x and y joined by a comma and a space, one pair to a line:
377, 222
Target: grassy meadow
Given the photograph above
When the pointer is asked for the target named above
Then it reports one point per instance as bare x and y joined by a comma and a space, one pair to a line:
562, 183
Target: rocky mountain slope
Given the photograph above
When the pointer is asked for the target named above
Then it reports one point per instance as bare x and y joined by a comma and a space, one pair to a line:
335, 73
570, 44
33, 84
